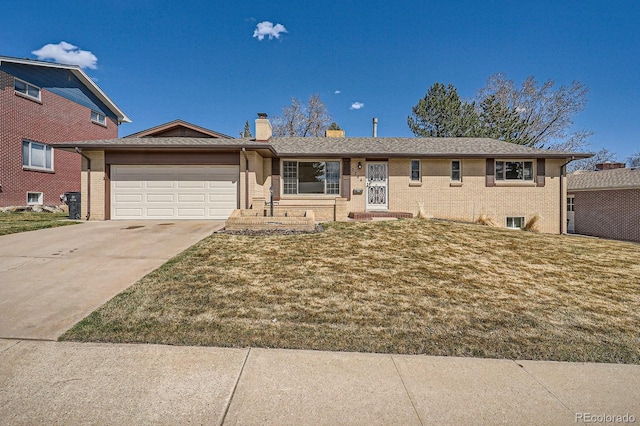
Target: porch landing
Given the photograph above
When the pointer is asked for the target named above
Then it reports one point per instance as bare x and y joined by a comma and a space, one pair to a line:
375, 215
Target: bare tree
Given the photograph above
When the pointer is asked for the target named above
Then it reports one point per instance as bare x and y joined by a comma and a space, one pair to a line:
547, 111
311, 120
601, 156
634, 160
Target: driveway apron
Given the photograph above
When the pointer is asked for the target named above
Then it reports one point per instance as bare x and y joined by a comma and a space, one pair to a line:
52, 278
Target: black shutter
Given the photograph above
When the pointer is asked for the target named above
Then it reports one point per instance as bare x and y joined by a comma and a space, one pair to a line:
490, 179
540, 172
275, 178
345, 187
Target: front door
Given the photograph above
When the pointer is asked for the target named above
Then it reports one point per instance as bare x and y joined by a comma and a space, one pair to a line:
377, 186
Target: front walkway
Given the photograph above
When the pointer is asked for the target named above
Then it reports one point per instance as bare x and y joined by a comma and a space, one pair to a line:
90, 383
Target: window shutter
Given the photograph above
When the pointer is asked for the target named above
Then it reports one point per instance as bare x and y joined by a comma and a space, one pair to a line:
345, 188
275, 178
490, 179
540, 172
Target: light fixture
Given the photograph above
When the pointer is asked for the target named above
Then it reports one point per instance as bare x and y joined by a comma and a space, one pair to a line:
359, 165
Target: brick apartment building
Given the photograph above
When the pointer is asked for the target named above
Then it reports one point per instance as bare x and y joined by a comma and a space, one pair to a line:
605, 202
42, 103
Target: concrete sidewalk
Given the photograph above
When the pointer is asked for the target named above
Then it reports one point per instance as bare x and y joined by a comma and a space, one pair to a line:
89, 383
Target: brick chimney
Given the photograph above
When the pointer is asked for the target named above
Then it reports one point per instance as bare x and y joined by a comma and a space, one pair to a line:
334, 133
609, 165
264, 131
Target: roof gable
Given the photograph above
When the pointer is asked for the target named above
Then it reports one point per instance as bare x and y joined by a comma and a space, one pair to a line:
178, 128
68, 81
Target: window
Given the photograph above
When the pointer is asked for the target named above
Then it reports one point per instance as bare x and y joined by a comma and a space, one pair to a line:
515, 222
456, 176
570, 204
37, 155
99, 118
26, 89
311, 177
514, 170
416, 176
34, 198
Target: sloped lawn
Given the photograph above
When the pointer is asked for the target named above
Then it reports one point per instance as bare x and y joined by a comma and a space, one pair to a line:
13, 222
407, 286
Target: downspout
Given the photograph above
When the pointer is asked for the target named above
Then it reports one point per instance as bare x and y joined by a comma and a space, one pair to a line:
79, 151
563, 171
246, 179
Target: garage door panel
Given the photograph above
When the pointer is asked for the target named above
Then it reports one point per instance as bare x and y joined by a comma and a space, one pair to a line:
178, 192
159, 184
130, 213
191, 198
160, 198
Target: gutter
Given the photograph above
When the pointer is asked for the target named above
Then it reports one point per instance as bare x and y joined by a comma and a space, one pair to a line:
563, 174
79, 151
246, 179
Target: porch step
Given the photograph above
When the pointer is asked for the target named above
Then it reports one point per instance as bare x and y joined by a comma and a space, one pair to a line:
373, 215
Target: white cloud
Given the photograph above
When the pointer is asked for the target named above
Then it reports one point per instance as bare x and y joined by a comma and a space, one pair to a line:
357, 105
337, 92
67, 53
267, 28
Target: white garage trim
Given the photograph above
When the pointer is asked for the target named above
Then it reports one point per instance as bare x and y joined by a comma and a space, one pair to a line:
173, 192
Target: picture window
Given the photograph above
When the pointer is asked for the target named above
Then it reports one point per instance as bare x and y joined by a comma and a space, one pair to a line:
514, 170
311, 177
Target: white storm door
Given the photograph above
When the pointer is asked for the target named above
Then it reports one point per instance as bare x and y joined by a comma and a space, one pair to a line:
377, 186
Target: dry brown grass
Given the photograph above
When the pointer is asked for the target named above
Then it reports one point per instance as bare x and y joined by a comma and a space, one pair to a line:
14, 222
408, 286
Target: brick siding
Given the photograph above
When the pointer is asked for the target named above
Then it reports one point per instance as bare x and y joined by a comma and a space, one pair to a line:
611, 214
54, 119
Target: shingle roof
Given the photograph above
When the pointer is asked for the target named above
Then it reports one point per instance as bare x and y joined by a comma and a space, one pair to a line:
604, 179
345, 147
443, 147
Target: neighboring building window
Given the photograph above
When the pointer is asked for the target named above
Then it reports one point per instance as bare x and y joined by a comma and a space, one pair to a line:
416, 175
514, 170
26, 89
311, 177
99, 118
570, 204
34, 198
515, 222
37, 155
456, 175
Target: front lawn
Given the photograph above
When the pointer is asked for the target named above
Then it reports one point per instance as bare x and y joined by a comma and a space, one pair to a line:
407, 286
13, 222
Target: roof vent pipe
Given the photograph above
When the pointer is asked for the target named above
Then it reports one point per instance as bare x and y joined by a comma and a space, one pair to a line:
375, 127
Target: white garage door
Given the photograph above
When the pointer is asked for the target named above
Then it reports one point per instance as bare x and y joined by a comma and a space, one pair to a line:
173, 192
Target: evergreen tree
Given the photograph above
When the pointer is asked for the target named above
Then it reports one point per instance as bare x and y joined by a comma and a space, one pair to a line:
441, 113
246, 133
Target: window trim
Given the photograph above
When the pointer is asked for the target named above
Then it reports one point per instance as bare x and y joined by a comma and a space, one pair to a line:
27, 85
459, 180
411, 179
504, 179
30, 166
40, 201
99, 115
309, 160
522, 222
571, 202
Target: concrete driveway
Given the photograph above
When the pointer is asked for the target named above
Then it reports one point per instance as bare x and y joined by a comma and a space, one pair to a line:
52, 278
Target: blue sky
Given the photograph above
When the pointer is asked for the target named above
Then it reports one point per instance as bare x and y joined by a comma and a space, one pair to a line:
198, 60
